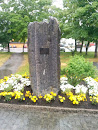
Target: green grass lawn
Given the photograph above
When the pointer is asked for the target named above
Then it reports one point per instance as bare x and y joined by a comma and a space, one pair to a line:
24, 68
64, 58
4, 56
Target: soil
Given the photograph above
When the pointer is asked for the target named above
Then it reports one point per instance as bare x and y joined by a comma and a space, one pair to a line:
55, 103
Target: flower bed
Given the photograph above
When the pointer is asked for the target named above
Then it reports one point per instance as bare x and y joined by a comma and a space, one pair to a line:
17, 89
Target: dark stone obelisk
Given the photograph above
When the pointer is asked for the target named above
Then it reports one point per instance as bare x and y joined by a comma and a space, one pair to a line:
44, 56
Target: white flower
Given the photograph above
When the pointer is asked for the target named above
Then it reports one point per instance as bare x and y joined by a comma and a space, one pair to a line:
92, 85
67, 86
63, 80
80, 89
16, 81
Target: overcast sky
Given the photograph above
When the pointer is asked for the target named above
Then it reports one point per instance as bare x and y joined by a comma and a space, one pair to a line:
58, 3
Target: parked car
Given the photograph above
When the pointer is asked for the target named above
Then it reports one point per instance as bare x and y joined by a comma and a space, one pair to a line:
62, 49
1, 47
25, 46
92, 44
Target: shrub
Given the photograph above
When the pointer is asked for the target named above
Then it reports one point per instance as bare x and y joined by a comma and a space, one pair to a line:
77, 69
62, 72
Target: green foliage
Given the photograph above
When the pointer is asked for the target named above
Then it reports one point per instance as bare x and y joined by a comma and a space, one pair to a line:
81, 19
8, 89
16, 15
5, 35
78, 69
62, 72
8, 97
94, 100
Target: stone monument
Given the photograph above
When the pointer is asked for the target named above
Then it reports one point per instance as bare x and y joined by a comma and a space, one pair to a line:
44, 56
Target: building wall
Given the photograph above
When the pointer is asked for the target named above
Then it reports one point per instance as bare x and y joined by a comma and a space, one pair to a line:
17, 45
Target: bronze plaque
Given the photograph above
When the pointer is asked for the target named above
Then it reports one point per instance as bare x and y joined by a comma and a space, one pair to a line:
44, 50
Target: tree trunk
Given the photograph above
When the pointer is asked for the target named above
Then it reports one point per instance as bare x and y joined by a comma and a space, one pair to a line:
73, 52
23, 45
75, 45
8, 48
87, 47
96, 46
81, 47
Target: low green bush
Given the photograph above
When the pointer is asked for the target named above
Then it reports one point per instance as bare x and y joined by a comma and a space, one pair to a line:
78, 69
62, 72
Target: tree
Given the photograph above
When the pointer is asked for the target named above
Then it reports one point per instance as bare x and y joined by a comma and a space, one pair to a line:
87, 45
82, 19
5, 35
19, 14
96, 46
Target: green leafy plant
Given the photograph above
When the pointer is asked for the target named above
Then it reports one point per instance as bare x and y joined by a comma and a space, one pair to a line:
94, 99
62, 72
8, 97
78, 69
8, 89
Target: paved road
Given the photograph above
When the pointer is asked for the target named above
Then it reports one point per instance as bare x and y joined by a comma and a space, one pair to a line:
19, 50
16, 50
11, 65
15, 119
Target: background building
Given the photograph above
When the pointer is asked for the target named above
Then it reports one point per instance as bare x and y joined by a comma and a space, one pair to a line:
17, 45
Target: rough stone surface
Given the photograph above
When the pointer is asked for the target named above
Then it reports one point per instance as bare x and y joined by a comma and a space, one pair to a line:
44, 56
14, 117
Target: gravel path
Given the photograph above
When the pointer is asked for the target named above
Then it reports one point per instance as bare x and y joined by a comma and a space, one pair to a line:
11, 65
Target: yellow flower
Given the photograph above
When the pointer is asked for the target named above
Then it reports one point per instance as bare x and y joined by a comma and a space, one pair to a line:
1, 81
47, 99
75, 102
61, 100
25, 75
28, 94
6, 78
96, 79
34, 97
34, 100
52, 93
72, 98
15, 97
45, 96
23, 98
40, 96
59, 96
